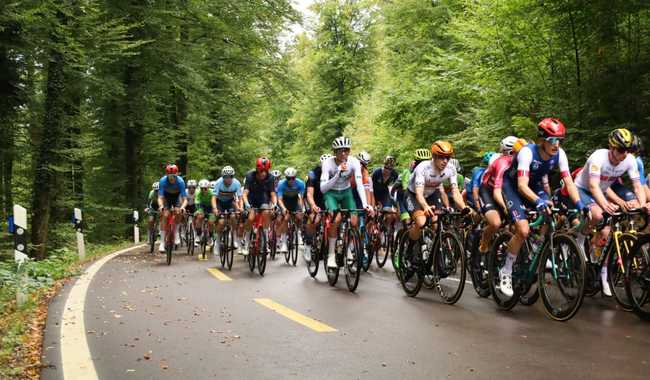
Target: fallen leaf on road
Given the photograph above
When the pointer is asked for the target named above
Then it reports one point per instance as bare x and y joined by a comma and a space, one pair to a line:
147, 356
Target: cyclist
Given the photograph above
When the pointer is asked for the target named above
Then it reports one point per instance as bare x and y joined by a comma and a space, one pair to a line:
226, 196
171, 193
315, 203
151, 209
524, 186
276, 179
425, 188
259, 193
493, 206
290, 198
399, 188
621, 194
335, 183
446, 184
472, 187
382, 179
203, 201
366, 223
603, 168
191, 208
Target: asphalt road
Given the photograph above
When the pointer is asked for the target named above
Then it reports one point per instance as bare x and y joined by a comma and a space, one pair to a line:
146, 320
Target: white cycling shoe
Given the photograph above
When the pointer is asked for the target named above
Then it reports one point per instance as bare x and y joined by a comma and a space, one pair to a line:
505, 283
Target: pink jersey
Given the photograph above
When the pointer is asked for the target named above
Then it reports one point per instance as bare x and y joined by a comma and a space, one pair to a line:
493, 176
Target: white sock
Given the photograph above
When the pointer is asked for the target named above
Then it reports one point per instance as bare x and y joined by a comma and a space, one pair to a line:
283, 238
580, 239
332, 245
162, 236
510, 259
247, 238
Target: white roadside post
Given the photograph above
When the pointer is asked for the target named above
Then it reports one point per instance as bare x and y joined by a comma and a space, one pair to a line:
136, 229
20, 249
81, 247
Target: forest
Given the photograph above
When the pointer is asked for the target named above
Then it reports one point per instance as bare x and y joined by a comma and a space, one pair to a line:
97, 96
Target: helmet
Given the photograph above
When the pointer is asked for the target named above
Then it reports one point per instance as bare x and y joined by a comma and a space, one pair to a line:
637, 145
456, 164
324, 157
422, 154
212, 183
494, 158
551, 127
364, 157
487, 156
275, 173
506, 144
156, 185
227, 171
389, 161
204, 183
263, 163
171, 169
621, 138
191, 183
442, 148
520, 143
290, 172
341, 142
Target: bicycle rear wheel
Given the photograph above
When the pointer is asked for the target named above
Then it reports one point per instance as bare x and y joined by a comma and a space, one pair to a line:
477, 265
352, 257
152, 239
253, 249
410, 268
189, 237
169, 247
314, 254
496, 260
287, 253
615, 269
450, 268
223, 246
261, 255
230, 248
383, 252
637, 281
561, 275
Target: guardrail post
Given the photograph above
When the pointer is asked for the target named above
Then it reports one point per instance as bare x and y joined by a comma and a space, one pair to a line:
78, 226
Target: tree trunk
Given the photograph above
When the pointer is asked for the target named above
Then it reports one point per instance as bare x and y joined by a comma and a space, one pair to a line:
47, 155
133, 139
180, 118
10, 98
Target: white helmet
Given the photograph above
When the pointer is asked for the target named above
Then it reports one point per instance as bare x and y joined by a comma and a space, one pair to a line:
191, 183
204, 183
456, 164
275, 173
228, 171
156, 185
364, 157
324, 157
507, 144
494, 158
290, 172
212, 183
341, 142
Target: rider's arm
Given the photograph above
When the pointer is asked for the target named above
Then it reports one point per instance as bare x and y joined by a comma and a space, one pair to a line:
498, 197
326, 183
524, 159
355, 166
245, 198
280, 194
458, 198
419, 196
274, 198
444, 197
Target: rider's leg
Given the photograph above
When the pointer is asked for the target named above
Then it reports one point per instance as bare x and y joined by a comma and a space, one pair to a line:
493, 220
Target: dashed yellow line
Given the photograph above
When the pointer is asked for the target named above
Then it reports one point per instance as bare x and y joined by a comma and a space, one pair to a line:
294, 315
219, 274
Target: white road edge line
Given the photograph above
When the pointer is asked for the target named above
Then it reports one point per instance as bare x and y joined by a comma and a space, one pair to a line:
76, 360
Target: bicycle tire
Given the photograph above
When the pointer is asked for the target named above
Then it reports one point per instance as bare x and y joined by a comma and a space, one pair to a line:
190, 240
261, 255
223, 246
230, 251
567, 268
409, 267
273, 247
152, 240
450, 259
615, 273
381, 259
252, 248
637, 281
287, 253
314, 255
352, 266
168, 251
294, 250
477, 265
332, 273
496, 258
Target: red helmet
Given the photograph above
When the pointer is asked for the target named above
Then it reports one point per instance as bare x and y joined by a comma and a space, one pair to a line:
263, 163
171, 169
551, 127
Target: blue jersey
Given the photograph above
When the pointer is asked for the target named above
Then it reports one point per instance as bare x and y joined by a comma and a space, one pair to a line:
287, 191
227, 193
529, 163
172, 188
477, 175
639, 163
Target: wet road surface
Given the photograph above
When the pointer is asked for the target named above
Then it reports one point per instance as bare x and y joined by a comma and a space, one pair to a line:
146, 320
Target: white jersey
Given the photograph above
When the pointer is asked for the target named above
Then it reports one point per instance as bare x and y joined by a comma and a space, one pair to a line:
333, 178
190, 198
598, 165
428, 176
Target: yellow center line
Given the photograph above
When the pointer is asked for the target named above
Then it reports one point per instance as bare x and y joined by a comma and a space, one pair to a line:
219, 274
294, 315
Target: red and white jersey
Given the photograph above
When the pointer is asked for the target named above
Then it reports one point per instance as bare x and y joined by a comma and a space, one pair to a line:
428, 176
598, 165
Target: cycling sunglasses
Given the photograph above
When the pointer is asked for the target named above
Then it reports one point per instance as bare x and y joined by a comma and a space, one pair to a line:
623, 150
290, 178
554, 140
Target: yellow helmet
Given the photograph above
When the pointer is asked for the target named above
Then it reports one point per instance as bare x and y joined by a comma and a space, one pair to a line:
422, 154
621, 138
520, 143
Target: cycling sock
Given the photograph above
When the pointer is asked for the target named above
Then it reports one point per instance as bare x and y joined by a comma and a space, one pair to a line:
510, 259
332, 245
580, 239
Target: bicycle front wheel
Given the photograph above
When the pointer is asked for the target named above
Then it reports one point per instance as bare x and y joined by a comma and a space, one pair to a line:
561, 278
637, 281
384, 249
616, 270
230, 248
293, 248
450, 268
352, 252
253, 249
261, 254
496, 260
190, 240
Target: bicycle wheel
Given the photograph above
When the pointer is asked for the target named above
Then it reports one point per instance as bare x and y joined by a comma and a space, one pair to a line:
253, 248
152, 239
168, 250
616, 269
287, 253
294, 249
410, 266
223, 246
450, 268
477, 265
230, 248
332, 273
261, 254
561, 278
190, 240
496, 260
352, 259
383, 252
272, 241
395, 252
637, 281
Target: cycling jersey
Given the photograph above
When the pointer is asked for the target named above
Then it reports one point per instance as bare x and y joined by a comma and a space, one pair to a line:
428, 176
380, 185
475, 182
367, 186
460, 181
529, 163
203, 199
332, 178
178, 187
291, 191
225, 192
313, 181
493, 176
259, 190
152, 199
598, 165
190, 198
641, 169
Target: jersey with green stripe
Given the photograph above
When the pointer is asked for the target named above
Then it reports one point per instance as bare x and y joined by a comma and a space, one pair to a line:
201, 199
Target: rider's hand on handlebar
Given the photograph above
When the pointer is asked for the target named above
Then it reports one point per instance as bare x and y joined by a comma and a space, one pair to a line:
316, 209
369, 210
429, 211
611, 208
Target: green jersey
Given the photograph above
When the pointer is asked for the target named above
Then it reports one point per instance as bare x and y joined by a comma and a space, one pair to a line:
203, 199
